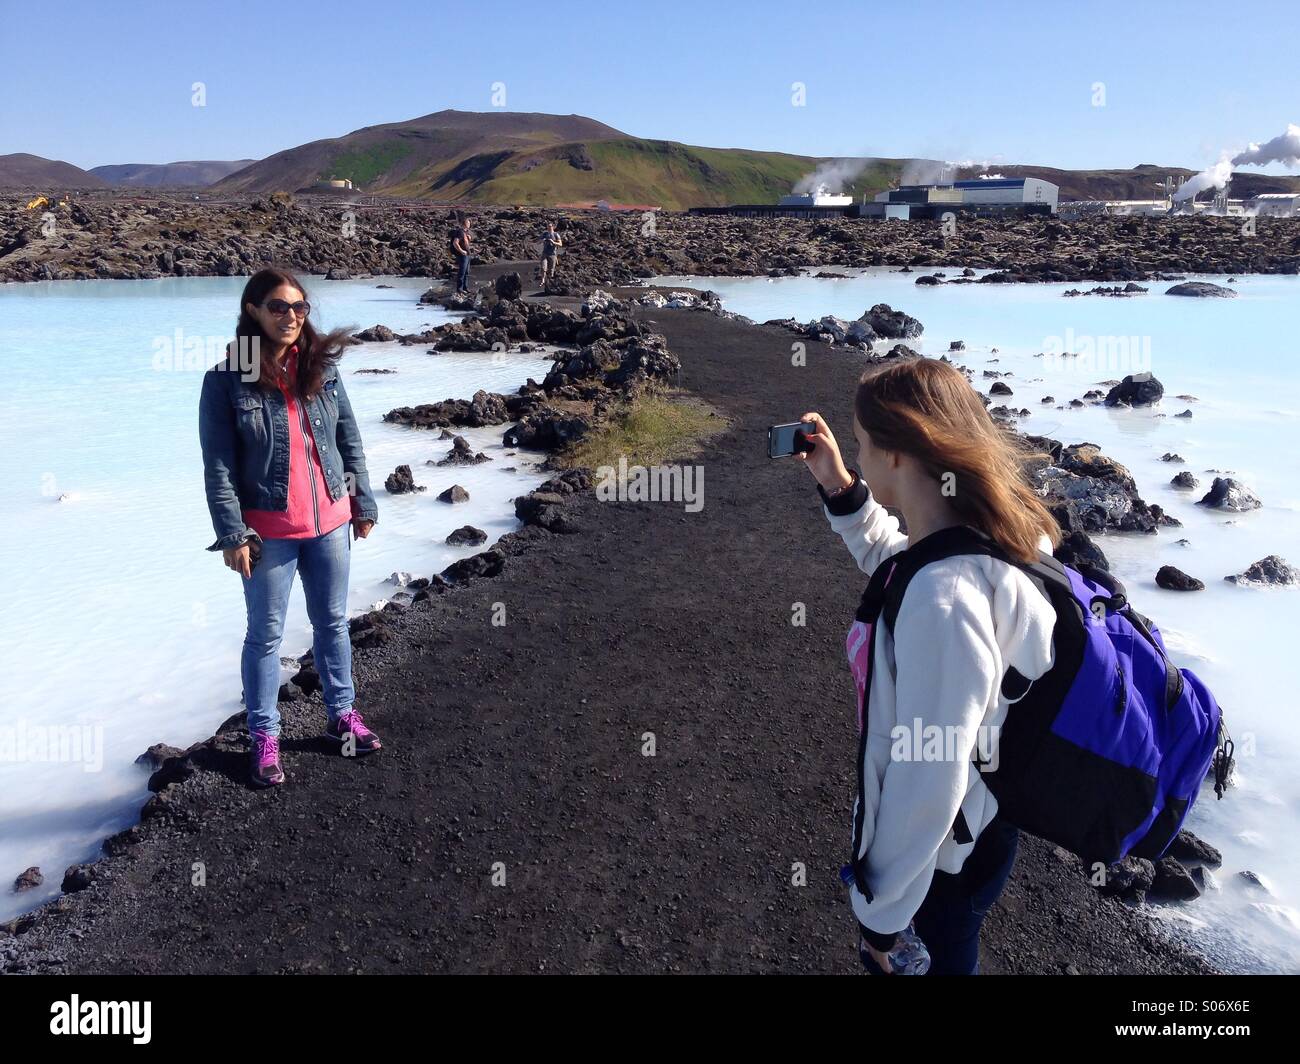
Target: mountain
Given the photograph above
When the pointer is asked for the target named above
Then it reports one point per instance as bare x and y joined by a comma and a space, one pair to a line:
193, 174
52, 175
397, 156
505, 157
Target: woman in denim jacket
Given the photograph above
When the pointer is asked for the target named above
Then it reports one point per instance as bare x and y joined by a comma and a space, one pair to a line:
285, 476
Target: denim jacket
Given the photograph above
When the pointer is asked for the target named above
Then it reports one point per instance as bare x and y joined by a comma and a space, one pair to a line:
244, 435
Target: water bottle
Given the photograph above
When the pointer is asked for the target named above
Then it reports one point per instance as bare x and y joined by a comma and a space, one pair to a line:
909, 955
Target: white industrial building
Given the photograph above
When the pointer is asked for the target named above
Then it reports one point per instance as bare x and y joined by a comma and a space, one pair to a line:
1274, 205
1008, 191
994, 195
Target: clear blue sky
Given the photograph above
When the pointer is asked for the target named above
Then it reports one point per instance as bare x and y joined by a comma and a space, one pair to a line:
110, 82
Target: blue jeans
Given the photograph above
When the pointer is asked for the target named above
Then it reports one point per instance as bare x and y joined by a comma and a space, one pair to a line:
462, 277
949, 919
322, 562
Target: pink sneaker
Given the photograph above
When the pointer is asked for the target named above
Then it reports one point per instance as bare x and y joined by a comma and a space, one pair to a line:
350, 723
266, 771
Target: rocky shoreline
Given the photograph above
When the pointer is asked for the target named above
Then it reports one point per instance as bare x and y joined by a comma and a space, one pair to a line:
112, 235
519, 749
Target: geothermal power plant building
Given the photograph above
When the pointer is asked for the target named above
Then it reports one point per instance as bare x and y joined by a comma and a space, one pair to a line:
999, 195
993, 195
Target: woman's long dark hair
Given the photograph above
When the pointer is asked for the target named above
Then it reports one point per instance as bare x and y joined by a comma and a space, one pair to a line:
316, 351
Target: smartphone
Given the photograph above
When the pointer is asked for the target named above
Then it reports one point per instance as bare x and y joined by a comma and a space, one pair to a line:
783, 441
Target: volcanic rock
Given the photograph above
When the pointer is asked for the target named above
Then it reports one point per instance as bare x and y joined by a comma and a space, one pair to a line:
1230, 495
892, 324
466, 536
1174, 579
1201, 289
462, 454
401, 482
1137, 389
1272, 571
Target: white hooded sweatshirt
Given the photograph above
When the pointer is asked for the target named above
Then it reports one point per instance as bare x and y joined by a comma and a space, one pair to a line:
935, 701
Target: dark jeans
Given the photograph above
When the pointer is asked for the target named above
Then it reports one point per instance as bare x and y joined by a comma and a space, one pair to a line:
462, 276
949, 919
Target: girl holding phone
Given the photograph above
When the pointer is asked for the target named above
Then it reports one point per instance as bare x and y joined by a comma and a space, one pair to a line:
930, 847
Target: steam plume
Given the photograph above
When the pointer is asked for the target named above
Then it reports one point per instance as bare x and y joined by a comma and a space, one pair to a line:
834, 174
1283, 149
1217, 176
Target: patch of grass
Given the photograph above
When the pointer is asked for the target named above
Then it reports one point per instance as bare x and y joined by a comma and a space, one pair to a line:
365, 166
653, 430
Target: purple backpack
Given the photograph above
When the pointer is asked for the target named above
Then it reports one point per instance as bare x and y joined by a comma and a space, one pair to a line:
1106, 752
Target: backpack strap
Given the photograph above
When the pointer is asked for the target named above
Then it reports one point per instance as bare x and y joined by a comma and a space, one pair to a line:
952, 542
884, 598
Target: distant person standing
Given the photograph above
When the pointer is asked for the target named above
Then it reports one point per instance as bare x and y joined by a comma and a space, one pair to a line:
551, 244
460, 242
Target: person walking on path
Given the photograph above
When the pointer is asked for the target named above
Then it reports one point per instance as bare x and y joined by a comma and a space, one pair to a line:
551, 244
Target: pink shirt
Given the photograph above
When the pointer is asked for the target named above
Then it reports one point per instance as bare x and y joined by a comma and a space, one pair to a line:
857, 647
310, 511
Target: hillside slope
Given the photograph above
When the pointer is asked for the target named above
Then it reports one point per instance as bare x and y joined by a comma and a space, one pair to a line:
503, 157
634, 170
21, 170
188, 174
385, 158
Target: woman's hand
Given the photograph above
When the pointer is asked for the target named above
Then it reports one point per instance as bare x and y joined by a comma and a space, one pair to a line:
240, 559
881, 959
361, 529
824, 462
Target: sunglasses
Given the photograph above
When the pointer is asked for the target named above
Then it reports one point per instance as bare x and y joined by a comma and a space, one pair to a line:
280, 308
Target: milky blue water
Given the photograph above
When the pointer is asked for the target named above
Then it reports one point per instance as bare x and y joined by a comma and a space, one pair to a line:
119, 629
1241, 360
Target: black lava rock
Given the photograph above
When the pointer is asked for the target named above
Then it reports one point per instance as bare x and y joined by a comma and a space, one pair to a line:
1272, 571
1173, 882
1187, 847
1231, 495
467, 536
1174, 579
1202, 290
1137, 389
401, 482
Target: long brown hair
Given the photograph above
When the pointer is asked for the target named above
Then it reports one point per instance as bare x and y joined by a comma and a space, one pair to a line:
316, 351
926, 408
